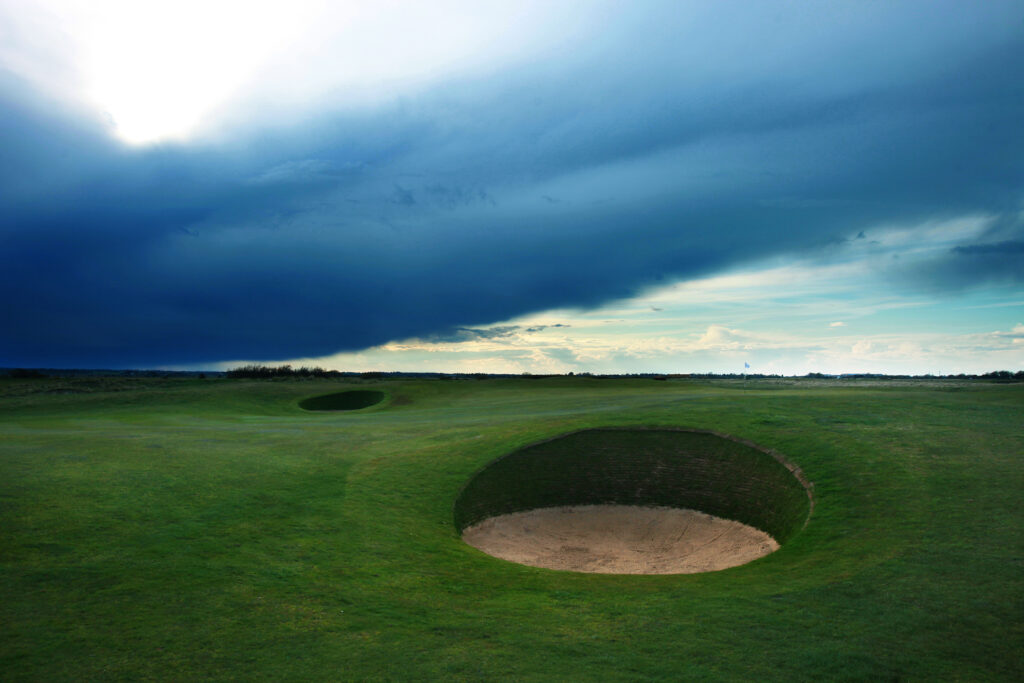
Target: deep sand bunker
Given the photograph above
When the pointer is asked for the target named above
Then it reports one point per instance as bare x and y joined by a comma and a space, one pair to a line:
344, 400
635, 501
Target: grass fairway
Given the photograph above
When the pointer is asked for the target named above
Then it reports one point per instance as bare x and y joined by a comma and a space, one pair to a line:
181, 529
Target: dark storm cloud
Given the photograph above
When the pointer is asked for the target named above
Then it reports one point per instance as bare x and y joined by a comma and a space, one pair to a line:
1007, 247
993, 259
972, 265
674, 146
459, 335
466, 334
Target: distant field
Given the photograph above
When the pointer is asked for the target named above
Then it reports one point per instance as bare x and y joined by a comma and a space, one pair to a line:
185, 528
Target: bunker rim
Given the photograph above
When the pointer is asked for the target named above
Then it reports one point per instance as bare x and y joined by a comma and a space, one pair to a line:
652, 524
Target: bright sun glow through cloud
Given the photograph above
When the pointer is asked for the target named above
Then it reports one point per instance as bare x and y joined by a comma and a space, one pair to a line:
163, 70
159, 68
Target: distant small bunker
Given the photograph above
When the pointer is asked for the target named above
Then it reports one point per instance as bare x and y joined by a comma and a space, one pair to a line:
635, 501
343, 400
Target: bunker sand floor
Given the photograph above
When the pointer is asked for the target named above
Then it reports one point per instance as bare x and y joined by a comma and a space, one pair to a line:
620, 539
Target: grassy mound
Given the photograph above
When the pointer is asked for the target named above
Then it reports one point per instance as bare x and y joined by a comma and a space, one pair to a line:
667, 467
343, 400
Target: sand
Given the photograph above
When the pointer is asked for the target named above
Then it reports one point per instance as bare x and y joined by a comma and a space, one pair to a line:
620, 539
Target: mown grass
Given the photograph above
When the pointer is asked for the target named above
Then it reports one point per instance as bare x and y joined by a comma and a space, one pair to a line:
214, 529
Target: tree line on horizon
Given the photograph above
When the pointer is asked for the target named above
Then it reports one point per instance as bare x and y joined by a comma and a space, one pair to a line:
257, 371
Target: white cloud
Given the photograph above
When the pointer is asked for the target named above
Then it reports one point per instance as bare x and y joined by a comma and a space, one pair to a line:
765, 328
163, 70
862, 348
723, 339
717, 349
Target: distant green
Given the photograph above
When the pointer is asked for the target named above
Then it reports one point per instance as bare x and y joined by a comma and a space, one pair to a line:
214, 529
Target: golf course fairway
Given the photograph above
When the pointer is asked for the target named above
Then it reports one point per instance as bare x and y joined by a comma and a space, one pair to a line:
190, 529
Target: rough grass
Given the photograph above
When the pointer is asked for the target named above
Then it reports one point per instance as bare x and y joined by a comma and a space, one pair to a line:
658, 467
194, 529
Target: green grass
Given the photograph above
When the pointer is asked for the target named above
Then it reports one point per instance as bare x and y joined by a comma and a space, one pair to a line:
183, 529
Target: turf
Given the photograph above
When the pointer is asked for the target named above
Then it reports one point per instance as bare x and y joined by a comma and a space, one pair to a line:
183, 529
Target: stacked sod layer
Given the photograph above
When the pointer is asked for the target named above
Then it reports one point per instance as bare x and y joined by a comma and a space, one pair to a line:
678, 468
343, 400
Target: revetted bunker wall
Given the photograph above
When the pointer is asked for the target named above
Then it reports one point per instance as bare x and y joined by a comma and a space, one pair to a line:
343, 400
655, 466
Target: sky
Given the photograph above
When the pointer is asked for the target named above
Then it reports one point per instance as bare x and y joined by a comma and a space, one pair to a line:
607, 187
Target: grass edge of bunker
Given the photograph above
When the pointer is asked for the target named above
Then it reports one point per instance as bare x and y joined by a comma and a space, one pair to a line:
650, 466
